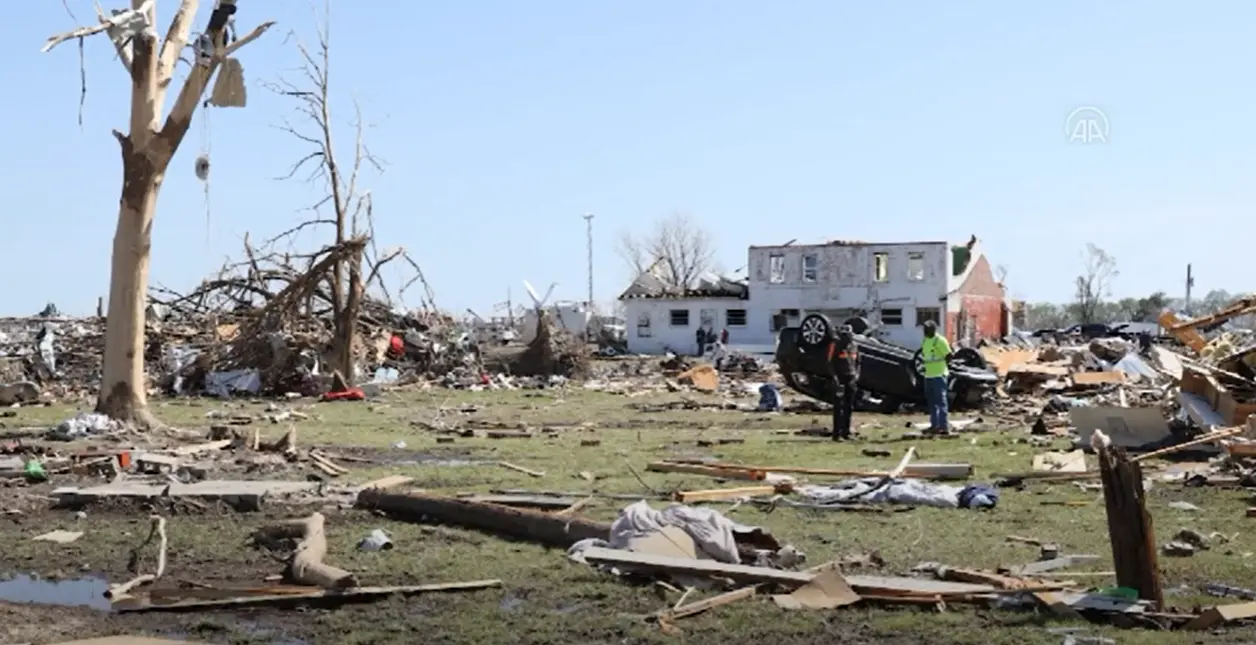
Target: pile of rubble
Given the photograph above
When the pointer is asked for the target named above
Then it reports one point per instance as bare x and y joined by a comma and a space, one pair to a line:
236, 335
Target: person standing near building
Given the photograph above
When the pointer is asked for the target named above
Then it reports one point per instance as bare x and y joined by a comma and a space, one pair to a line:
724, 336
844, 365
934, 350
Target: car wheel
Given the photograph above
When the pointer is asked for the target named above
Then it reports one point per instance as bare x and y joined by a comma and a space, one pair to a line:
815, 331
918, 364
858, 324
972, 358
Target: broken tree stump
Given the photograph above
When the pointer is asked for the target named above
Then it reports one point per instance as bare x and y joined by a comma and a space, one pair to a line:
306, 565
534, 526
1129, 524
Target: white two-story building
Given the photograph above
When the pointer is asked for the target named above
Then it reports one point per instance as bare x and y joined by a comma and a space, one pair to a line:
896, 287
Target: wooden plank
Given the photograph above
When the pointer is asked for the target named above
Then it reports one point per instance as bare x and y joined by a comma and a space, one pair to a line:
520, 469
196, 449
142, 603
391, 481
711, 471
691, 496
739, 572
915, 471
750, 574
128, 640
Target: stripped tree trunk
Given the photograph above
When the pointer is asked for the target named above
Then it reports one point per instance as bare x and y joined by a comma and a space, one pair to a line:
147, 149
123, 394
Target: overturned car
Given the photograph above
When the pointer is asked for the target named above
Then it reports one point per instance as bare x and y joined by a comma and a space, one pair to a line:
890, 373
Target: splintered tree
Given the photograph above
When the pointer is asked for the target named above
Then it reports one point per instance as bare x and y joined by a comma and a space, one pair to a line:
351, 207
677, 250
147, 150
1094, 284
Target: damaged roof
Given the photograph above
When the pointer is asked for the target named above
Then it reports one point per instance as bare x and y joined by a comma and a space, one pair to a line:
709, 285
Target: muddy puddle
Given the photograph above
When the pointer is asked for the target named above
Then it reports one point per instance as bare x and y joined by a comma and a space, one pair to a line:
77, 592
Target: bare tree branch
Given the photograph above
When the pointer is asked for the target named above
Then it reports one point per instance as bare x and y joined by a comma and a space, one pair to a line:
1095, 283
676, 251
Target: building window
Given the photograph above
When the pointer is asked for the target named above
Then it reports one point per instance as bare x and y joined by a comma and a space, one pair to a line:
892, 317
915, 267
776, 268
880, 267
735, 317
643, 326
810, 267
679, 317
925, 314
782, 319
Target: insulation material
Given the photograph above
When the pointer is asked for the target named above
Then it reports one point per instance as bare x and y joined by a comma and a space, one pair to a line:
229, 89
712, 532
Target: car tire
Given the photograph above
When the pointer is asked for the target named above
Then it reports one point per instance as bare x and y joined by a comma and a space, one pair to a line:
858, 324
972, 358
815, 331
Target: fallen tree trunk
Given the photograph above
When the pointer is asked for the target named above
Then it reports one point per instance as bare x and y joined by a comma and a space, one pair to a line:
535, 526
306, 565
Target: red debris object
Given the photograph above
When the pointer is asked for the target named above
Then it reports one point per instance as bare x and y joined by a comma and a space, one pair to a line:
351, 394
397, 346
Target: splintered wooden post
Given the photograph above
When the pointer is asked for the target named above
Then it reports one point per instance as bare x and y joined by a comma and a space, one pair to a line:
1129, 524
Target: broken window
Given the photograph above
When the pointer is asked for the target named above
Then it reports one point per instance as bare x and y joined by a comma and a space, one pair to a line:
925, 314
776, 268
892, 317
679, 317
880, 267
643, 326
810, 267
916, 266
735, 317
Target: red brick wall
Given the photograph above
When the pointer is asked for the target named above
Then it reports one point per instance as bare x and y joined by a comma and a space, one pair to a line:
982, 304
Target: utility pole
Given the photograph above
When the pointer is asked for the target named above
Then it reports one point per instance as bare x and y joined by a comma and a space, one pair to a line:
510, 309
1190, 282
588, 228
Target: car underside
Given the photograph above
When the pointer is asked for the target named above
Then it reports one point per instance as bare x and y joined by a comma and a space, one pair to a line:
891, 374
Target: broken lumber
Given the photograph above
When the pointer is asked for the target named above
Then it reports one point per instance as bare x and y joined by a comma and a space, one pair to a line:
1130, 528
306, 565
520, 469
914, 471
195, 600
1197, 441
690, 496
391, 481
543, 528
711, 471
692, 566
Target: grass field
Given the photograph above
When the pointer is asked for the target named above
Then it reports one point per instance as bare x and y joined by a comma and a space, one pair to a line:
547, 598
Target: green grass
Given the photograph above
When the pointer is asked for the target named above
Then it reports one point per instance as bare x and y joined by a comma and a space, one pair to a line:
546, 598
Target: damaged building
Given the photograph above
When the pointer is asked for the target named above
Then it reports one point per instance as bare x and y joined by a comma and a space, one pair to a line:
895, 287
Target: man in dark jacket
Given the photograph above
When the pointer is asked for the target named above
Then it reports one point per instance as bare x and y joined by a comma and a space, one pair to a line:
843, 358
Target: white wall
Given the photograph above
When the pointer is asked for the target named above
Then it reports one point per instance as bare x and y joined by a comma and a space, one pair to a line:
662, 335
844, 284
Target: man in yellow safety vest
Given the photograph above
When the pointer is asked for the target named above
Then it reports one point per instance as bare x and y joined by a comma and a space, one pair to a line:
934, 350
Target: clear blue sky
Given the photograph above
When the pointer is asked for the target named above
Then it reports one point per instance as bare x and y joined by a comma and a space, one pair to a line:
504, 121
